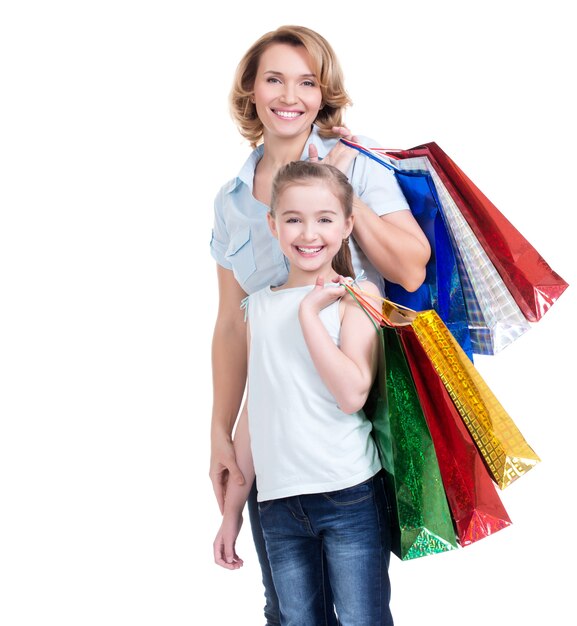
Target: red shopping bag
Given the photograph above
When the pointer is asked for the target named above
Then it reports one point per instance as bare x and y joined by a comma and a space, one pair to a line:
534, 285
475, 505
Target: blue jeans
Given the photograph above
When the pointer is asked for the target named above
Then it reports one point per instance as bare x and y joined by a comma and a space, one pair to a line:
271, 607
349, 527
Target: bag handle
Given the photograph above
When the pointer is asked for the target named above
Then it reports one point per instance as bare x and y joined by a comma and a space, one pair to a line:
391, 314
374, 153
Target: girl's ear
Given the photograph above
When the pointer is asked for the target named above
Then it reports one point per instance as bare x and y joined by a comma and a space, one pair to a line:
349, 223
272, 224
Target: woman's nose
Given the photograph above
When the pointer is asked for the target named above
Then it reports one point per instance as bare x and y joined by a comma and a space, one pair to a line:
289, 94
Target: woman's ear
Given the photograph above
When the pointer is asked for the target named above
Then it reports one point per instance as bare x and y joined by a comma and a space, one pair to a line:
272, 224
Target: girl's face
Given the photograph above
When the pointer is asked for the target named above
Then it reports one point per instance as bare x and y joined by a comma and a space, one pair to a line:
310, 225
286, 91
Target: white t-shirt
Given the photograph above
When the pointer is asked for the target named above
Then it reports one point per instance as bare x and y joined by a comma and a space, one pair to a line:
301, 441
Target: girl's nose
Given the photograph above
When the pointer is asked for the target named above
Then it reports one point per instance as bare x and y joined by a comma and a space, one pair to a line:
310, 232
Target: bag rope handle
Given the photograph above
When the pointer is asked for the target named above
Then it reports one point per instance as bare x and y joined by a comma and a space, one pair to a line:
389, 309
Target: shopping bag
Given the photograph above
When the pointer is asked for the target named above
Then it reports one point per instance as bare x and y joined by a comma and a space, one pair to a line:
506, 453
533, 283
475, 505
494, 319
421, 519
504, 449
441, 289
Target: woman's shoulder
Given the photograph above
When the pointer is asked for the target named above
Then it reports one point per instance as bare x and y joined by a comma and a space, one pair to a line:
368, 142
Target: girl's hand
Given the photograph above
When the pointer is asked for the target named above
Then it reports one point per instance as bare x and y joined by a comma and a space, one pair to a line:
224, 544
340, 156
320, 297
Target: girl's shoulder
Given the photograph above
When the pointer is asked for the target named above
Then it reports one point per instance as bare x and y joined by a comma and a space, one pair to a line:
368, 290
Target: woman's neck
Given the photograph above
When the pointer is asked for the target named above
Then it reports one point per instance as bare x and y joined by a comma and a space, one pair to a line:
278, 151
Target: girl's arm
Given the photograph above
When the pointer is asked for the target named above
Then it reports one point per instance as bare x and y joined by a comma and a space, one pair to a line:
229, 380
348, 371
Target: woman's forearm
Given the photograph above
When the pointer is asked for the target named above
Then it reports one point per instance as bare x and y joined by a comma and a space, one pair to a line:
228, 374
394, 244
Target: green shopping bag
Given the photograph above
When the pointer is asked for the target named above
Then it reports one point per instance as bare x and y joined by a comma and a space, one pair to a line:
420, 515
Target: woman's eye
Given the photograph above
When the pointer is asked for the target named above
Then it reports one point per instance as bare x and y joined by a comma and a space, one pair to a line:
272, 79
309, 83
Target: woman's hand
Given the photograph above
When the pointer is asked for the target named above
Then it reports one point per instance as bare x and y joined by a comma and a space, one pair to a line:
223, 467
341, 156
321, 297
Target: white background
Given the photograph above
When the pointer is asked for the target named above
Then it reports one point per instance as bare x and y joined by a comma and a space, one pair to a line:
115, 137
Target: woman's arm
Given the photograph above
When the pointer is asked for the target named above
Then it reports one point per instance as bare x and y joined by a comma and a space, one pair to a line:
348, 371
394, 244
229, 380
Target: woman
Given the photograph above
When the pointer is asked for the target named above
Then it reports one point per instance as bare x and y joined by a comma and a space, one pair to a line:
288, 99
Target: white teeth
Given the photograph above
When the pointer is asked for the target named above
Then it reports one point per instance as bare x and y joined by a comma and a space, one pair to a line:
288, 114
309, 250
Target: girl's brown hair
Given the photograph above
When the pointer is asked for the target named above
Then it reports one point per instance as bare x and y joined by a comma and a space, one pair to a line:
307, 173
325, 66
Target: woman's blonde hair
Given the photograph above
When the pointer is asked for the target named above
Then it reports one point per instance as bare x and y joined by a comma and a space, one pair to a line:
309, 173
325, 66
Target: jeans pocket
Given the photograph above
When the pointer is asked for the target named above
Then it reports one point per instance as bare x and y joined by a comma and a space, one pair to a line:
263, 507
351, 495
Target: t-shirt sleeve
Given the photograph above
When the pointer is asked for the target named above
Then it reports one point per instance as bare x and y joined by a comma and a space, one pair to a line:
220, 238
375, 184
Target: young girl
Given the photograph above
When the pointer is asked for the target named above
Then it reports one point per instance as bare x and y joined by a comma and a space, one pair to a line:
312, 359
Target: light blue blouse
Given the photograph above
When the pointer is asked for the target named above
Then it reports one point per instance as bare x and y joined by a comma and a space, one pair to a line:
241, 238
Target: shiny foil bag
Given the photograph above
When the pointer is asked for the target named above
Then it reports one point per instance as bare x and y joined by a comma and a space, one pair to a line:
532, 282
476, 508
421, 518
504, 449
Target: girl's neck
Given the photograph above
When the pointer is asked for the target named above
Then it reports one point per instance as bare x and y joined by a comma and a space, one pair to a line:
298, 278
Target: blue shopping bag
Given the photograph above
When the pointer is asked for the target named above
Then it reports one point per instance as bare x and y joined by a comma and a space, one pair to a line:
442, 289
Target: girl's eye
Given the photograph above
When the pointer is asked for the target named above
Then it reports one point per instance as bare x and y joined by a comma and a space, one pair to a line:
292, 220
326, 220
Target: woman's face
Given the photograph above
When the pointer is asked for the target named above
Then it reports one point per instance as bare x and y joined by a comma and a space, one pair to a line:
286, 92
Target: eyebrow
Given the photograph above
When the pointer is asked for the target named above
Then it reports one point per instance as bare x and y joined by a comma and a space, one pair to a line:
281, 74
299, 212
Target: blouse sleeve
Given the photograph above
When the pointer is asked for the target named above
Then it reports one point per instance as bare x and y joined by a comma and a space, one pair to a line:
375, 184
220, 239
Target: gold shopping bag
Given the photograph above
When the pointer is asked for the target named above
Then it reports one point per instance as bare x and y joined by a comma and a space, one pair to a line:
505, 451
